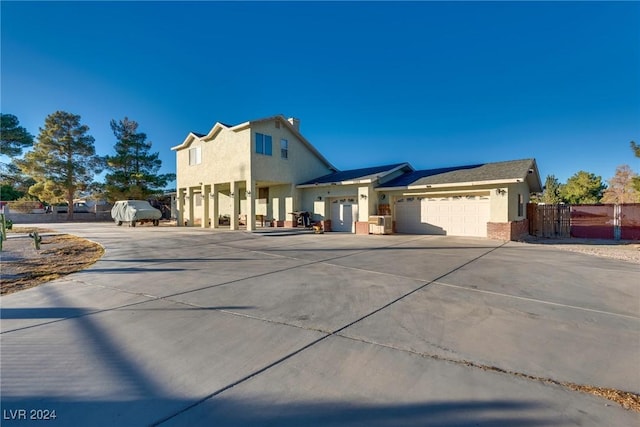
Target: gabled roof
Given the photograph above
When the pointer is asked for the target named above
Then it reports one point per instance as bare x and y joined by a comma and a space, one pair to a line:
353, 176
487, 173
241, 126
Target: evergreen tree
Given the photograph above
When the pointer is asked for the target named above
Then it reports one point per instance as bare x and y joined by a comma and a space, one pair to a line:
551, 194
583, 188
133, 170
63, 160
14, 183
13, 138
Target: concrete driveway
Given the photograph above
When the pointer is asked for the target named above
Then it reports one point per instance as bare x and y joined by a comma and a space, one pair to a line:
190, 327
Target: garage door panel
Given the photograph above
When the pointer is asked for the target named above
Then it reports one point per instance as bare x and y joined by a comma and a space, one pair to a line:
456, 216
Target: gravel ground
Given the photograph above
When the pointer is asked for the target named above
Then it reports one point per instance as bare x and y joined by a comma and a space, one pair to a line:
622, 250
23, 266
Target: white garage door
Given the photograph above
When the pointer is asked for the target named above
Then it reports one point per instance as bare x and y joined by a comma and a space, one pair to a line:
344, 213
451, 216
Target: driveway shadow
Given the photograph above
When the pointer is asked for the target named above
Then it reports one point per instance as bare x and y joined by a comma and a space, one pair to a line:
225, 412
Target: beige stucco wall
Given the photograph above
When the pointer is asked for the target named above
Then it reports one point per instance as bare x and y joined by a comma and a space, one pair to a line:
225, 158
513, 191
276, 205
301, 164
321, 209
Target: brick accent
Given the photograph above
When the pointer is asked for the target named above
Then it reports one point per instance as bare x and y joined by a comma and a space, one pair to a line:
498, 230
326, 225
519, 229
512, 230
279, 223
290, 224
362, 227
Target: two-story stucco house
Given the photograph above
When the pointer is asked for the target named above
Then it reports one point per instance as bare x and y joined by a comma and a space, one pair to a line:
260, 172
244, 171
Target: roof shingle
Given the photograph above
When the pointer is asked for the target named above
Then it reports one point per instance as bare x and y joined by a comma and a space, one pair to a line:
515, 169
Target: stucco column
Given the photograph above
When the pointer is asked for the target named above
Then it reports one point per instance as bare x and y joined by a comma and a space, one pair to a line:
191, 197
276, 210
364, 202
288, 208
205, 189
180, 207
251, 206
235, 206
216, 208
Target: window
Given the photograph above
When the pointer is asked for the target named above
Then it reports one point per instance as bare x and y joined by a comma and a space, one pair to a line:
263, 144
195, 156
520, 205
263, 194
284, 148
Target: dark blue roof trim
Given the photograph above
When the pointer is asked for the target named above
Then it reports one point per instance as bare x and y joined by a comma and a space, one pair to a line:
352, 174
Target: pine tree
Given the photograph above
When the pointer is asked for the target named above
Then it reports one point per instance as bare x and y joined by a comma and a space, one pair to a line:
63, 159
551, 194
133, 171
13, 138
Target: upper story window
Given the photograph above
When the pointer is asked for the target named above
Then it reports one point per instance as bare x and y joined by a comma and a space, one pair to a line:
195, 156
264, 144
284, 148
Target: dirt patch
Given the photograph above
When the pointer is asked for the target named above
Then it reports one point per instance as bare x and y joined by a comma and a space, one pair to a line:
23, 266
629, 401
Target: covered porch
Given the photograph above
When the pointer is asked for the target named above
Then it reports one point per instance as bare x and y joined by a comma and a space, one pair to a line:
236, 205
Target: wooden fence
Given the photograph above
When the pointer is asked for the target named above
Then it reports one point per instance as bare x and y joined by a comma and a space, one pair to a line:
549, 220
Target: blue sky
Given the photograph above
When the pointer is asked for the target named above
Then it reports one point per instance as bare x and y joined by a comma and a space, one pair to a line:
433, 83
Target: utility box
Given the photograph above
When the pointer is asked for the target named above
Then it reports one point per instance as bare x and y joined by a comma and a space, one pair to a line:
380, 224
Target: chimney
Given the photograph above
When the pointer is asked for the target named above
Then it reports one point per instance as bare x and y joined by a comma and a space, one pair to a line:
295, 123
